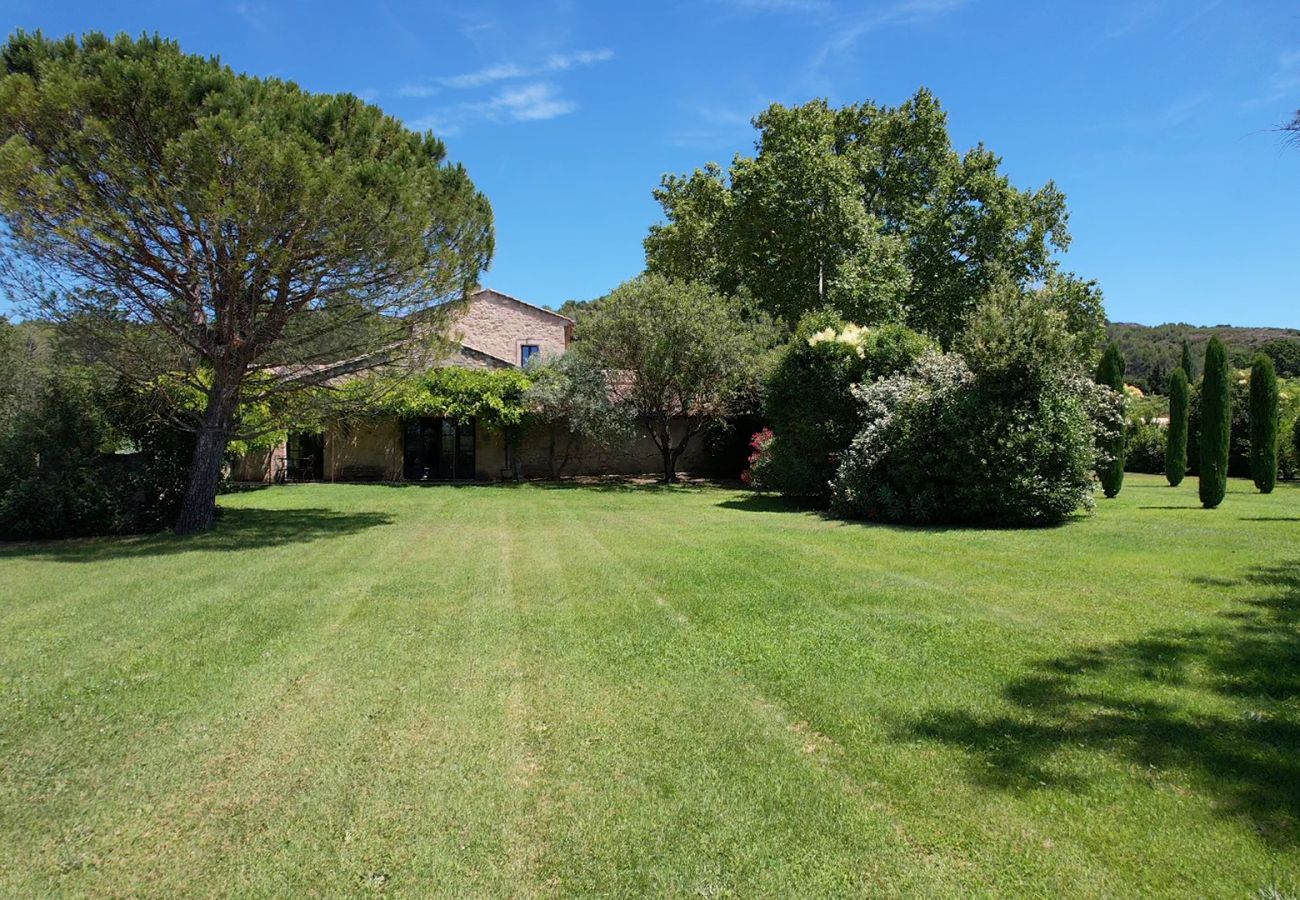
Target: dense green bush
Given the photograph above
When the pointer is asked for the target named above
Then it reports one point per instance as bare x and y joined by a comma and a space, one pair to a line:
1145, 445
1176, 440
59, 476
1110, 373
939, 445
1295, 445
1263, 423
809, 401
1006, 432
49, 483
1286, 455
1216, 424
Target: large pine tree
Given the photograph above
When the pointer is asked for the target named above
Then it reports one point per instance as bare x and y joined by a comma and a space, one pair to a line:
1263, 423
1216, 425
1110, 372
1176, 446
237, 234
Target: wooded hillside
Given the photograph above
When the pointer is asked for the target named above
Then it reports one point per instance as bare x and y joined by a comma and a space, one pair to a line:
1152, 352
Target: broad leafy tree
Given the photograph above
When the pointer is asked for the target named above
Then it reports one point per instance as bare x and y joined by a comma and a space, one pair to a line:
1263, 423
1285, 354
866, 209
676, 355
236, 232
1215, 435
1110, 373
1176, 444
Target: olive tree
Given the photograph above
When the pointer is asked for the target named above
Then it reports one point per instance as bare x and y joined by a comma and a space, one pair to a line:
238, 233
676, 355
569, 397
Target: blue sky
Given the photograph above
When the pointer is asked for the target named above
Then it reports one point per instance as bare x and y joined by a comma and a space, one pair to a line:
1155, 117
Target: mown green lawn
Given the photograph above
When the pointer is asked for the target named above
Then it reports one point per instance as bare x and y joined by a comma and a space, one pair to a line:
549, 691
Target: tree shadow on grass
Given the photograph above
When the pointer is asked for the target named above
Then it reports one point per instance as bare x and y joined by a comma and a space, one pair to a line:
613, 484
1216, 704
760, 502
236, 529
763, 503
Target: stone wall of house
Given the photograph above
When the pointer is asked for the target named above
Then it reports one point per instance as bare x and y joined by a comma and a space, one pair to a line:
640, 457
489, 454
372, 451
260, 465
368, 450
498, 325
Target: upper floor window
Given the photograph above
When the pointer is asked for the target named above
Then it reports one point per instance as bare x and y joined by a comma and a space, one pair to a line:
527, 352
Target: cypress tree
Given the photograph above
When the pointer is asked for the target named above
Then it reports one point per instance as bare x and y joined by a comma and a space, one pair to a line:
1176, 446
1216, 425
1263, 423
1110, 372
1187, 362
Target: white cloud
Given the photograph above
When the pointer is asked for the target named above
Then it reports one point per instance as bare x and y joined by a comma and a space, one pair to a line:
437, 123
556, 62
559, 62
499, 72
531, 102
902, 12
417, 90
532, 99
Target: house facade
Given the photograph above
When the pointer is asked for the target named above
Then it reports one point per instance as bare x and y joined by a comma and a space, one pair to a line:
491, 330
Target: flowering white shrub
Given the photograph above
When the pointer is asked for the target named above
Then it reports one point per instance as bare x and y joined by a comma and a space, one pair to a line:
944, 444
809, 401
855, 336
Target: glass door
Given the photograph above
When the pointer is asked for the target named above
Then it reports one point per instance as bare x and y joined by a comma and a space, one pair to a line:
437, 450
465, 451
415, 450
446, 450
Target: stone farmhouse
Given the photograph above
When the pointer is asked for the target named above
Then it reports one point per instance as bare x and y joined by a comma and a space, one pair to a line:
492, 330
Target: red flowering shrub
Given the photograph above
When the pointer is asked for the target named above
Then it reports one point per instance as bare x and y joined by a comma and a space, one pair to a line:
758, 459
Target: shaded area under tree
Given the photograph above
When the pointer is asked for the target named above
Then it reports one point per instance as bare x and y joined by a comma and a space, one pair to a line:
237, 529
1135, 700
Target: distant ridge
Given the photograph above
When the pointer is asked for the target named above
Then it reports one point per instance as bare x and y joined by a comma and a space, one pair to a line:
1153, 351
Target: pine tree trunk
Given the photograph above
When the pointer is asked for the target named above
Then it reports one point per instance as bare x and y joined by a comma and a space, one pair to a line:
200, 503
